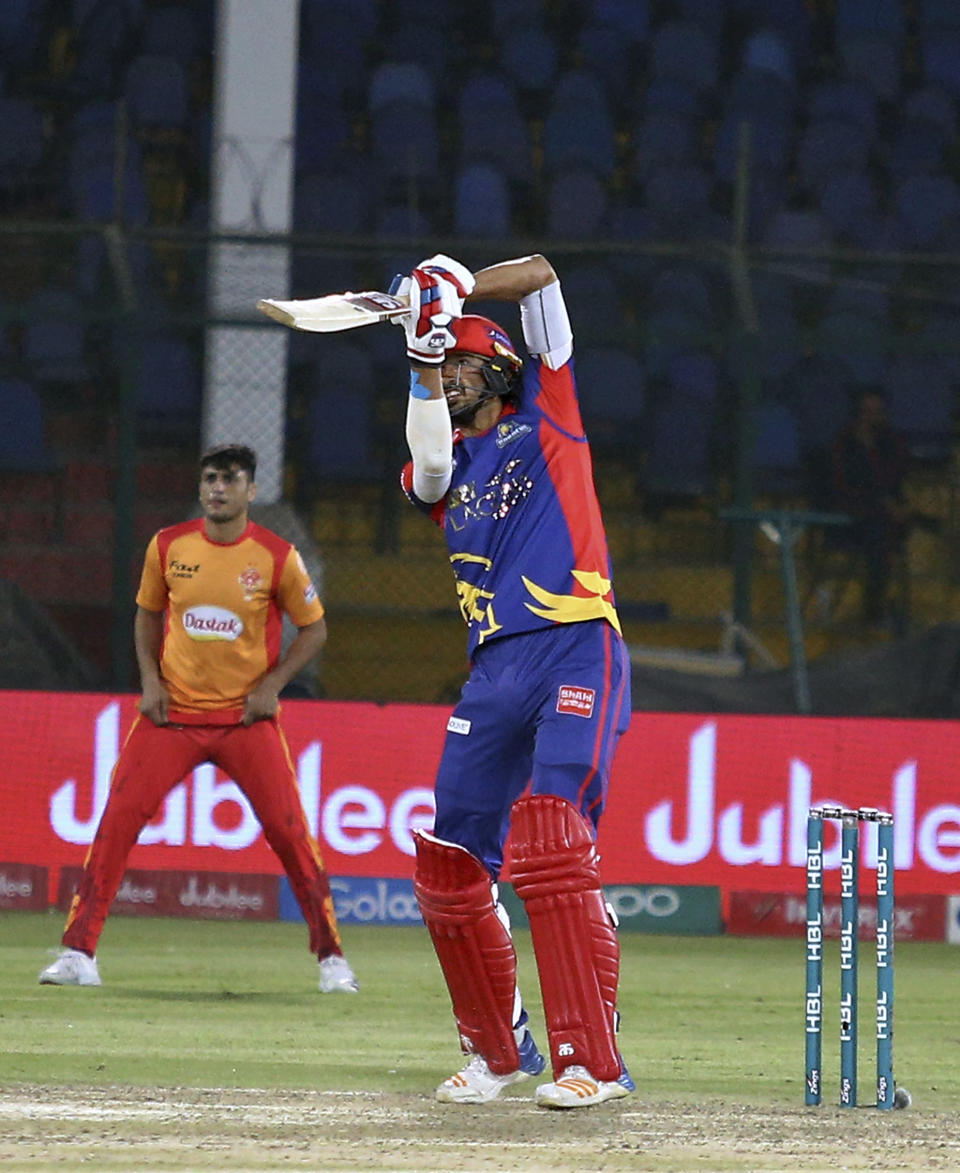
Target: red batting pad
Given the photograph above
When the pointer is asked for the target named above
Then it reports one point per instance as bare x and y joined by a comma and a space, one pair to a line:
475, 951
553, 865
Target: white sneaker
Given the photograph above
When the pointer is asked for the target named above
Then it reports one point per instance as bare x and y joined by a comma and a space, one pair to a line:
476, 1083
336, 976
72, 968
576, 1088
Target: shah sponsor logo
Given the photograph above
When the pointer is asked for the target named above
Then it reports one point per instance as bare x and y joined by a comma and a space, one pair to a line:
211, 623
575, 700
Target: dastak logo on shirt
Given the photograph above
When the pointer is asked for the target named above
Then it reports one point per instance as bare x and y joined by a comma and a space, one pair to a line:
209, 623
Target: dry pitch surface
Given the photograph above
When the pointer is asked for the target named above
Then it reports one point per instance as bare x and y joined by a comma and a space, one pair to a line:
239, 1130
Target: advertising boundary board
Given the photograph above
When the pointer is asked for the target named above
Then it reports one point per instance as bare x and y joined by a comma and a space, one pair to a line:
695, 799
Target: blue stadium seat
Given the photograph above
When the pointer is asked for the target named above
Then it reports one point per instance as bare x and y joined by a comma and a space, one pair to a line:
791, 18
884, 17
921, 404
92, 193
664, 138
694, 375
776, 453
169, 386
763, 95
595, 304
679, 200
105, 30
673, 96
23, 442
924, 205
678, 441
575, 134
330, 202
767, 51
487, 87
838, 99
497, 132
631, 18
789, 229
611, 386
21, 31
577, 202
404, 141
682, 288
481, 201
23, 138
846, 198
778, 347
509, 15
157, 92
940, 53
876, 61
825, 148
404, 82
175, 30
917, 148
54, 338
671, 331
684, 51
604, 49
938, 15
339, 433
770, 143
930, 103
529, 55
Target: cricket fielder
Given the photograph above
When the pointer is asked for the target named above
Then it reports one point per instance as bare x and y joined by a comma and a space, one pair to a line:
210, 606
501, 462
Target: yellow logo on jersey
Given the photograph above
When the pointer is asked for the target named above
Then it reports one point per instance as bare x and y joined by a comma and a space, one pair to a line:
575, 608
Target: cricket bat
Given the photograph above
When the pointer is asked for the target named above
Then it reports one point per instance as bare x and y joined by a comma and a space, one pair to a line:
336, 311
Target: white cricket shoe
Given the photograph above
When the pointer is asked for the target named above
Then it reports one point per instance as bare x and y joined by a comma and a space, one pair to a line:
336, 976
72, 968
477, 1084
576, 1088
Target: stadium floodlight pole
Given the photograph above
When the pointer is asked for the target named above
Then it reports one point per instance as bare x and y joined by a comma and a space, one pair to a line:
849, 946
814, 992
885, 936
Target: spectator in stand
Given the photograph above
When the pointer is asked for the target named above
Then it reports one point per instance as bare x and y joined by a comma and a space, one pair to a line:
869, 466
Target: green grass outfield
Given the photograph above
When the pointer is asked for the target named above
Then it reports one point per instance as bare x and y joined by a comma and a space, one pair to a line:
212, 1004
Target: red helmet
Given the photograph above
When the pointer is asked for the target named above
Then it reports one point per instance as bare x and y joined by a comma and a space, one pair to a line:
481, 336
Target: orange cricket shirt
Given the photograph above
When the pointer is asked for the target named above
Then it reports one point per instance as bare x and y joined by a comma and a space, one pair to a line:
224, 606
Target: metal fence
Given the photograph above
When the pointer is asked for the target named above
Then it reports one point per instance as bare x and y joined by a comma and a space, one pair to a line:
712, 374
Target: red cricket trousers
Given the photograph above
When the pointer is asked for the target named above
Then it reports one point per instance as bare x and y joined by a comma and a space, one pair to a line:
154, 758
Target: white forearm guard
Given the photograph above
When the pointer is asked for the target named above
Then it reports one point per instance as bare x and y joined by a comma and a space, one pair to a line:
430, 439
546, 325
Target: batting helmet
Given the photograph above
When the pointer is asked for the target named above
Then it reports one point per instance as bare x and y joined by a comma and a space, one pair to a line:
476, 335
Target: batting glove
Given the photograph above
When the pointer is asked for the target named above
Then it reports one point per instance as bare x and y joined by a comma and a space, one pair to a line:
440, 265
435, 303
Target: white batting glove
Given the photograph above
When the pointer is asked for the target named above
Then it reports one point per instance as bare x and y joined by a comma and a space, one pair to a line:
435, 303
440, 265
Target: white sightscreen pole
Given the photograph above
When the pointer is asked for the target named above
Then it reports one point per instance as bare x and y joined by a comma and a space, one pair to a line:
251, 192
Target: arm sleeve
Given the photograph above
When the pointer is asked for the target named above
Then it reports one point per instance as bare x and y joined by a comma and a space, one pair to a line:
430, 439
546, 326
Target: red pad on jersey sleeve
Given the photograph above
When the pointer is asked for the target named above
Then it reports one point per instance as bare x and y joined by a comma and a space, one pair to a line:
553, 865
474, 949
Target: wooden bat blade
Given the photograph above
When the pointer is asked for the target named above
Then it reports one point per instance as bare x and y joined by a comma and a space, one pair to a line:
335, 312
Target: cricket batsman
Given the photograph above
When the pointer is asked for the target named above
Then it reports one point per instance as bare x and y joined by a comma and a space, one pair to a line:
500, 461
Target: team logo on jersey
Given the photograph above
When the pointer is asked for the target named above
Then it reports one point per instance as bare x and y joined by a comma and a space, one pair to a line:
250, 580
207, 623
576, 701
508, 431
458, 725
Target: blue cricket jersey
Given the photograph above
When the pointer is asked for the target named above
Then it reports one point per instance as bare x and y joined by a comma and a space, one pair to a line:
521, 517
